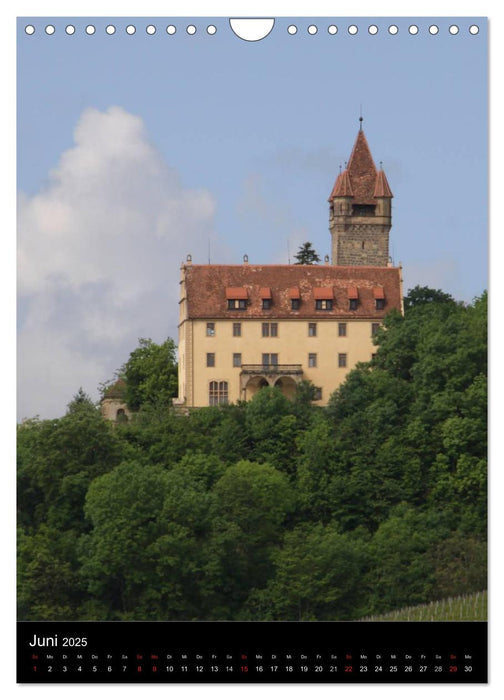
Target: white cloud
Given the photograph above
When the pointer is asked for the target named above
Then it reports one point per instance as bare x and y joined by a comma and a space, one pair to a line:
99, 251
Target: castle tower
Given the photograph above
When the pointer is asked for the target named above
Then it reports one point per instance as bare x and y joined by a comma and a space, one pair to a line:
360, 211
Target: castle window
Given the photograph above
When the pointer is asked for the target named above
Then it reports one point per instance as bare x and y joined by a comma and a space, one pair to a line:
379, 297
363, 209
265, 293
324, 304
323, 298
353, 298
210, 359
312, 329
237, 359
237, 330
237, 298
237, 304
121, 416
270, 330
218, 393
210, 329
342, 359
317, 394
312, 359
295, 297
342, 330
375, 327
269, 358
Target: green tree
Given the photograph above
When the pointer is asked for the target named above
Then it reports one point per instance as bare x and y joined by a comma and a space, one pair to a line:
271, 426
58, 459
318, 573
459, 565
402, 571
306, 255
49, 587
150, 374
425, 295
252, 501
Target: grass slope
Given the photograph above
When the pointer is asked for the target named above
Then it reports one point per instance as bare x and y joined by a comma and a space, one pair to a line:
466, 608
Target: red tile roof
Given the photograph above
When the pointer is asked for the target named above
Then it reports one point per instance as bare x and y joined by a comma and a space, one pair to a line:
342, 186
361, 180
378, 293
265, 293
353, 292
323, 293
236, 293
382, 188
116, 391
362, 171
207, 288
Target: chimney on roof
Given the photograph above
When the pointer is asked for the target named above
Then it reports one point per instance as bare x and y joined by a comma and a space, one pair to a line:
245, 259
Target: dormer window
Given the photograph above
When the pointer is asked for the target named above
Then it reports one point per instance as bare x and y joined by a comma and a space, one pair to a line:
379, 297
295, 298
324, 298
265, 293
237, 298
353, 298
237, 304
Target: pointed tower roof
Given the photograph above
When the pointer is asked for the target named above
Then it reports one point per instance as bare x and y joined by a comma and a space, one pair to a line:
342, 186
362, 171
382, 188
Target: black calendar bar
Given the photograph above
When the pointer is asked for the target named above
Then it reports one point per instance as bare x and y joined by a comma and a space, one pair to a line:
253, 652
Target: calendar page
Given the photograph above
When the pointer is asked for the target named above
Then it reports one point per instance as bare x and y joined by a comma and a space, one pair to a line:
252, 349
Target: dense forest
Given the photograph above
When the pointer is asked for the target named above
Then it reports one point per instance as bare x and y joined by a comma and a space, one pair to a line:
271, 509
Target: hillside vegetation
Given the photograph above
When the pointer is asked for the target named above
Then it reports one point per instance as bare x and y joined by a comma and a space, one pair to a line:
269, 510
465, 608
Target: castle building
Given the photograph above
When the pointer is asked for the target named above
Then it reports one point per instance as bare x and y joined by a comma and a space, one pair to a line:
243, 327
113, 403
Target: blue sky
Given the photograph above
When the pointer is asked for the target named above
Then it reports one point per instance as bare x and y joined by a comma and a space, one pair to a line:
134, 150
